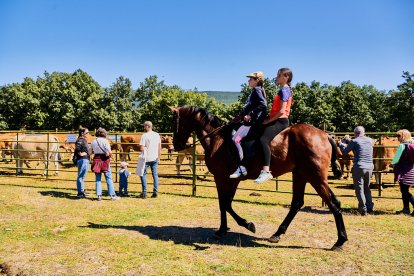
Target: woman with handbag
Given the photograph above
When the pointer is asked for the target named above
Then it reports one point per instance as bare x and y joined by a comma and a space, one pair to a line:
101, 163
404, 170
81, 156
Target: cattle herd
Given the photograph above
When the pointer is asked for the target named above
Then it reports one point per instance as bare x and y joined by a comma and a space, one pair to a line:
25, 148
50, 148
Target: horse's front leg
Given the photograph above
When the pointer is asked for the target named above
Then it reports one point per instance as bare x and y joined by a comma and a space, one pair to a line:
240, 221
226, 194
223, 216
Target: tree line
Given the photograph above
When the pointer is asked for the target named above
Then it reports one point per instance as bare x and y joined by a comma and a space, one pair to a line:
67, 101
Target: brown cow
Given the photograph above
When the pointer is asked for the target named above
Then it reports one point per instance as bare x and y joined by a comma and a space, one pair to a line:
383, 155
345, 161
128, 142
6, 140
188, 153
167, 143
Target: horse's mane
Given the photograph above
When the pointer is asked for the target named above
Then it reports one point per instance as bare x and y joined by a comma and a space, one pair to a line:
206, 117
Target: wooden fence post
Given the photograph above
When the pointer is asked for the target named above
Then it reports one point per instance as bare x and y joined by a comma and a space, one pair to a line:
47, 156
194, 192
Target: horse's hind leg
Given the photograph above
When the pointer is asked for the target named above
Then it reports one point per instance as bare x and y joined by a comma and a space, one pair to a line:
335, 207
299, 183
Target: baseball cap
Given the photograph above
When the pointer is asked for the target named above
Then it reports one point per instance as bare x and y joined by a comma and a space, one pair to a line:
257, 75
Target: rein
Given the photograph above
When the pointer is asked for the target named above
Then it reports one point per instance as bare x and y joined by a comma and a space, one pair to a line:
236, 120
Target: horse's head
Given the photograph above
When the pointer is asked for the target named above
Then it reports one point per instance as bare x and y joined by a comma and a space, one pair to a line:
183, 127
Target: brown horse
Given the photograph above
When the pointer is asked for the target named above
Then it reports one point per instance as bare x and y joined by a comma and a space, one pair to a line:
301, 149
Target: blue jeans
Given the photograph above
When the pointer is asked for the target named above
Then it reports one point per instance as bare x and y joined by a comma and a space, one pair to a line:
109, 183
154, 170
83, 166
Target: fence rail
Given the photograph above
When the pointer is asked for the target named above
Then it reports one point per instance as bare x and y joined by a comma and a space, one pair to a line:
66, 151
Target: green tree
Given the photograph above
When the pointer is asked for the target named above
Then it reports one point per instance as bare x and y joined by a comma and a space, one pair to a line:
70, 100
117, 104
402, 103
20, 105
351, 105
312, 105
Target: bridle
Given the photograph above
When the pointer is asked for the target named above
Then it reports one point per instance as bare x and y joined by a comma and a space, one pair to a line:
202, 138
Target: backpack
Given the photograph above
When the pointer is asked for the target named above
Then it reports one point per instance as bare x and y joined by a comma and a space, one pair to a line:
410, 152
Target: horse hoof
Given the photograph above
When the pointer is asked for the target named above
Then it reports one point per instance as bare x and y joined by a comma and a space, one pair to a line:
251, 227
337, 248
274, 239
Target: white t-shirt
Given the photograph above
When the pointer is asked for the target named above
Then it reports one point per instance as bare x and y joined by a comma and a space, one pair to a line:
103, 143
151, 141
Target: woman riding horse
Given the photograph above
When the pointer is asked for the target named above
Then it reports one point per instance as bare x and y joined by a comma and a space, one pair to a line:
301, 149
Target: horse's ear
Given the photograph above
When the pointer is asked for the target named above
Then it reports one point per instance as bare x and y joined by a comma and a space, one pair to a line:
173, 109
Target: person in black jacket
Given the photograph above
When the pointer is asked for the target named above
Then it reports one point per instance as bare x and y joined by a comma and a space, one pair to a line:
82, 152
254, 113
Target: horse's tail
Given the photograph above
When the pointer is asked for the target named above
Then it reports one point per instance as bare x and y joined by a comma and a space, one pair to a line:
335, 167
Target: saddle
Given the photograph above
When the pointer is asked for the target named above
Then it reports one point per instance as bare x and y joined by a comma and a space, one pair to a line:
251, 143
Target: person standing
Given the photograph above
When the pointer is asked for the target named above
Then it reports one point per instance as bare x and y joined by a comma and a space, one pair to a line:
101, 163
254, 112
277, 121
82, 153
404, 170
150, 145
362, 169
123, 179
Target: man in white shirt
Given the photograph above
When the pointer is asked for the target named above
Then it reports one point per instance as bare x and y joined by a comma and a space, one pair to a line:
150, 144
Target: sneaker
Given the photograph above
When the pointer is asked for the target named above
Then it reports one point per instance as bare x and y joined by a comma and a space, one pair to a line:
264, 176
99, 198
241, 171
115, 197
154, 195
403, 211
81, 195
143, 196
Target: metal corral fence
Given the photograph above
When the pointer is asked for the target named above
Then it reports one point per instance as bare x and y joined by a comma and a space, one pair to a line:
9, 141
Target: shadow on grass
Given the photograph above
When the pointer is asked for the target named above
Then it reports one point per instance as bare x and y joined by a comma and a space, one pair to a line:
186, 176
13, 173
198, 237
60, 194
345, 211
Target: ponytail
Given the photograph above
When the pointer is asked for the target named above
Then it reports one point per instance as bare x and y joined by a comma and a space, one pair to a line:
82, 131
261, 85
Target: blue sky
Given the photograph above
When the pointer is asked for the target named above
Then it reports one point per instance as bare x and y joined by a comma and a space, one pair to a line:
210, 45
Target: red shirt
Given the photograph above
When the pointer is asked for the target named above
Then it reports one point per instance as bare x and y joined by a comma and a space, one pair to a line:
284, 95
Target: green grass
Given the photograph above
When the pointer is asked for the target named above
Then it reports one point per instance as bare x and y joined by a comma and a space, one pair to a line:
45, 231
